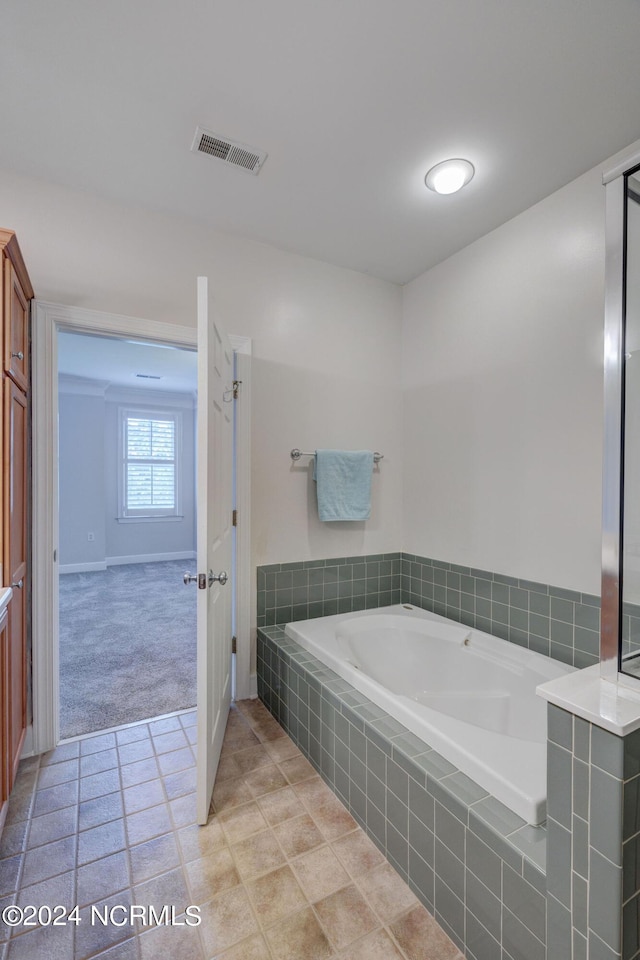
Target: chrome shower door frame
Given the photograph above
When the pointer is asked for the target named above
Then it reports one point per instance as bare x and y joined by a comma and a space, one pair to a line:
614, 180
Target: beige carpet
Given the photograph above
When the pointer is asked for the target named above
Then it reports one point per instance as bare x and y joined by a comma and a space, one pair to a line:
127, 645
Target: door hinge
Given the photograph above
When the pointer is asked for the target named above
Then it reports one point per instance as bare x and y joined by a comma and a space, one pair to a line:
236, 388
234, 518
234, 644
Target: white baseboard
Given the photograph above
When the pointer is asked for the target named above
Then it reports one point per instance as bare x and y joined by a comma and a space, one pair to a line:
152, 557
253, 686
118, 561
27, 746
82, 567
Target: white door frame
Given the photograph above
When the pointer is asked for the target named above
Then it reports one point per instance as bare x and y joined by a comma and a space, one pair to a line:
48, 319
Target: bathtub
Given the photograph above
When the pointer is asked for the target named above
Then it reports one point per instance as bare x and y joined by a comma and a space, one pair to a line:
466, 694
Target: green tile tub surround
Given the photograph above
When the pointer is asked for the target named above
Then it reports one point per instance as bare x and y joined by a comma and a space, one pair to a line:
477, 866
593, 822
558, 623
321, 588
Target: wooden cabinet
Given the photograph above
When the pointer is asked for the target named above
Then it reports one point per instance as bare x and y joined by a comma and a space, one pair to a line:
16, 330
16, 434
15, 499
5, 777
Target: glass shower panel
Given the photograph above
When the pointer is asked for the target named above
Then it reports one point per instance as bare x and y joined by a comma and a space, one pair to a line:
630, 572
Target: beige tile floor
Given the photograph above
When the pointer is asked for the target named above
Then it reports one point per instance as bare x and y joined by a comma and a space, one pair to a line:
280, 872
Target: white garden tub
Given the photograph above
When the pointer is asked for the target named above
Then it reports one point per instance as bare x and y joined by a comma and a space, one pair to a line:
467, 694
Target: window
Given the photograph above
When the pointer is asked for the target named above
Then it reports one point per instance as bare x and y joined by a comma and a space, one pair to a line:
150, 444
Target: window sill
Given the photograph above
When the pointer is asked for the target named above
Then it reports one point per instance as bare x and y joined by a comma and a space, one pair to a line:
146, 519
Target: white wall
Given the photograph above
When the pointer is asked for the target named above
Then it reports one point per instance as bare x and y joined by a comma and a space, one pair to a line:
326, 344
88, 477
160, 538
82, 472
502, 369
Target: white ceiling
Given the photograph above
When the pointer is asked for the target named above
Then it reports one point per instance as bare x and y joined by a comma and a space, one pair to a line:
352, 100
118, 361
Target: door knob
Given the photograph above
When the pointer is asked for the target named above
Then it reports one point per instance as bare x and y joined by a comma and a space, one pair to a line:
19, 355
19, 585
220, 577
203, 581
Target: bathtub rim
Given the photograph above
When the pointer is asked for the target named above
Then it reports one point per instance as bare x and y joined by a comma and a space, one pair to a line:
459, 743
494, 838
495, 824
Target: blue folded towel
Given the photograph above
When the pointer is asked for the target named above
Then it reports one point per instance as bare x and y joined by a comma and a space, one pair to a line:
343, 484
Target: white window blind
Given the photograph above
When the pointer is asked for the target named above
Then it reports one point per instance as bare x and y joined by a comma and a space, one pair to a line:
150, 462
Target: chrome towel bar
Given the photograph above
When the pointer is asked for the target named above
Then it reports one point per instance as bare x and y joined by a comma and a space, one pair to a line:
296, 454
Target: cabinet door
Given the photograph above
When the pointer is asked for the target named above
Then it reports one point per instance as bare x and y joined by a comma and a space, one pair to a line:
16, 681
16, 328
4, 713
15, 560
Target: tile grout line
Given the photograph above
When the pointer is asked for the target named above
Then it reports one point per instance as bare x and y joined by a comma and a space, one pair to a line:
18, 881
128, 845
307, 805
261, 927
352, 881
175, 831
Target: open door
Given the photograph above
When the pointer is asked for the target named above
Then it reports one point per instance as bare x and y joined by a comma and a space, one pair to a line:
214, 473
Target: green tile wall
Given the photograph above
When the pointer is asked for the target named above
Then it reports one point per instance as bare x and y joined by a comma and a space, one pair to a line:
593, 822
321, 588
558, 623
485, 874
630, 629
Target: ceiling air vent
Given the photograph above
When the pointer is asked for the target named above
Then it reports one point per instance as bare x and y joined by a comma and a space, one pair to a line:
229, 151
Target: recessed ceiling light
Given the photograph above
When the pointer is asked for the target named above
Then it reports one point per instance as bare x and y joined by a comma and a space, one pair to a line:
449, 176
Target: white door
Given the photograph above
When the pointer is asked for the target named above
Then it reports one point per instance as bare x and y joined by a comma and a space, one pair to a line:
214, 538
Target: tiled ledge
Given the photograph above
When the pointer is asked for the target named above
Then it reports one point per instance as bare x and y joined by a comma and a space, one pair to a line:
457, 846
